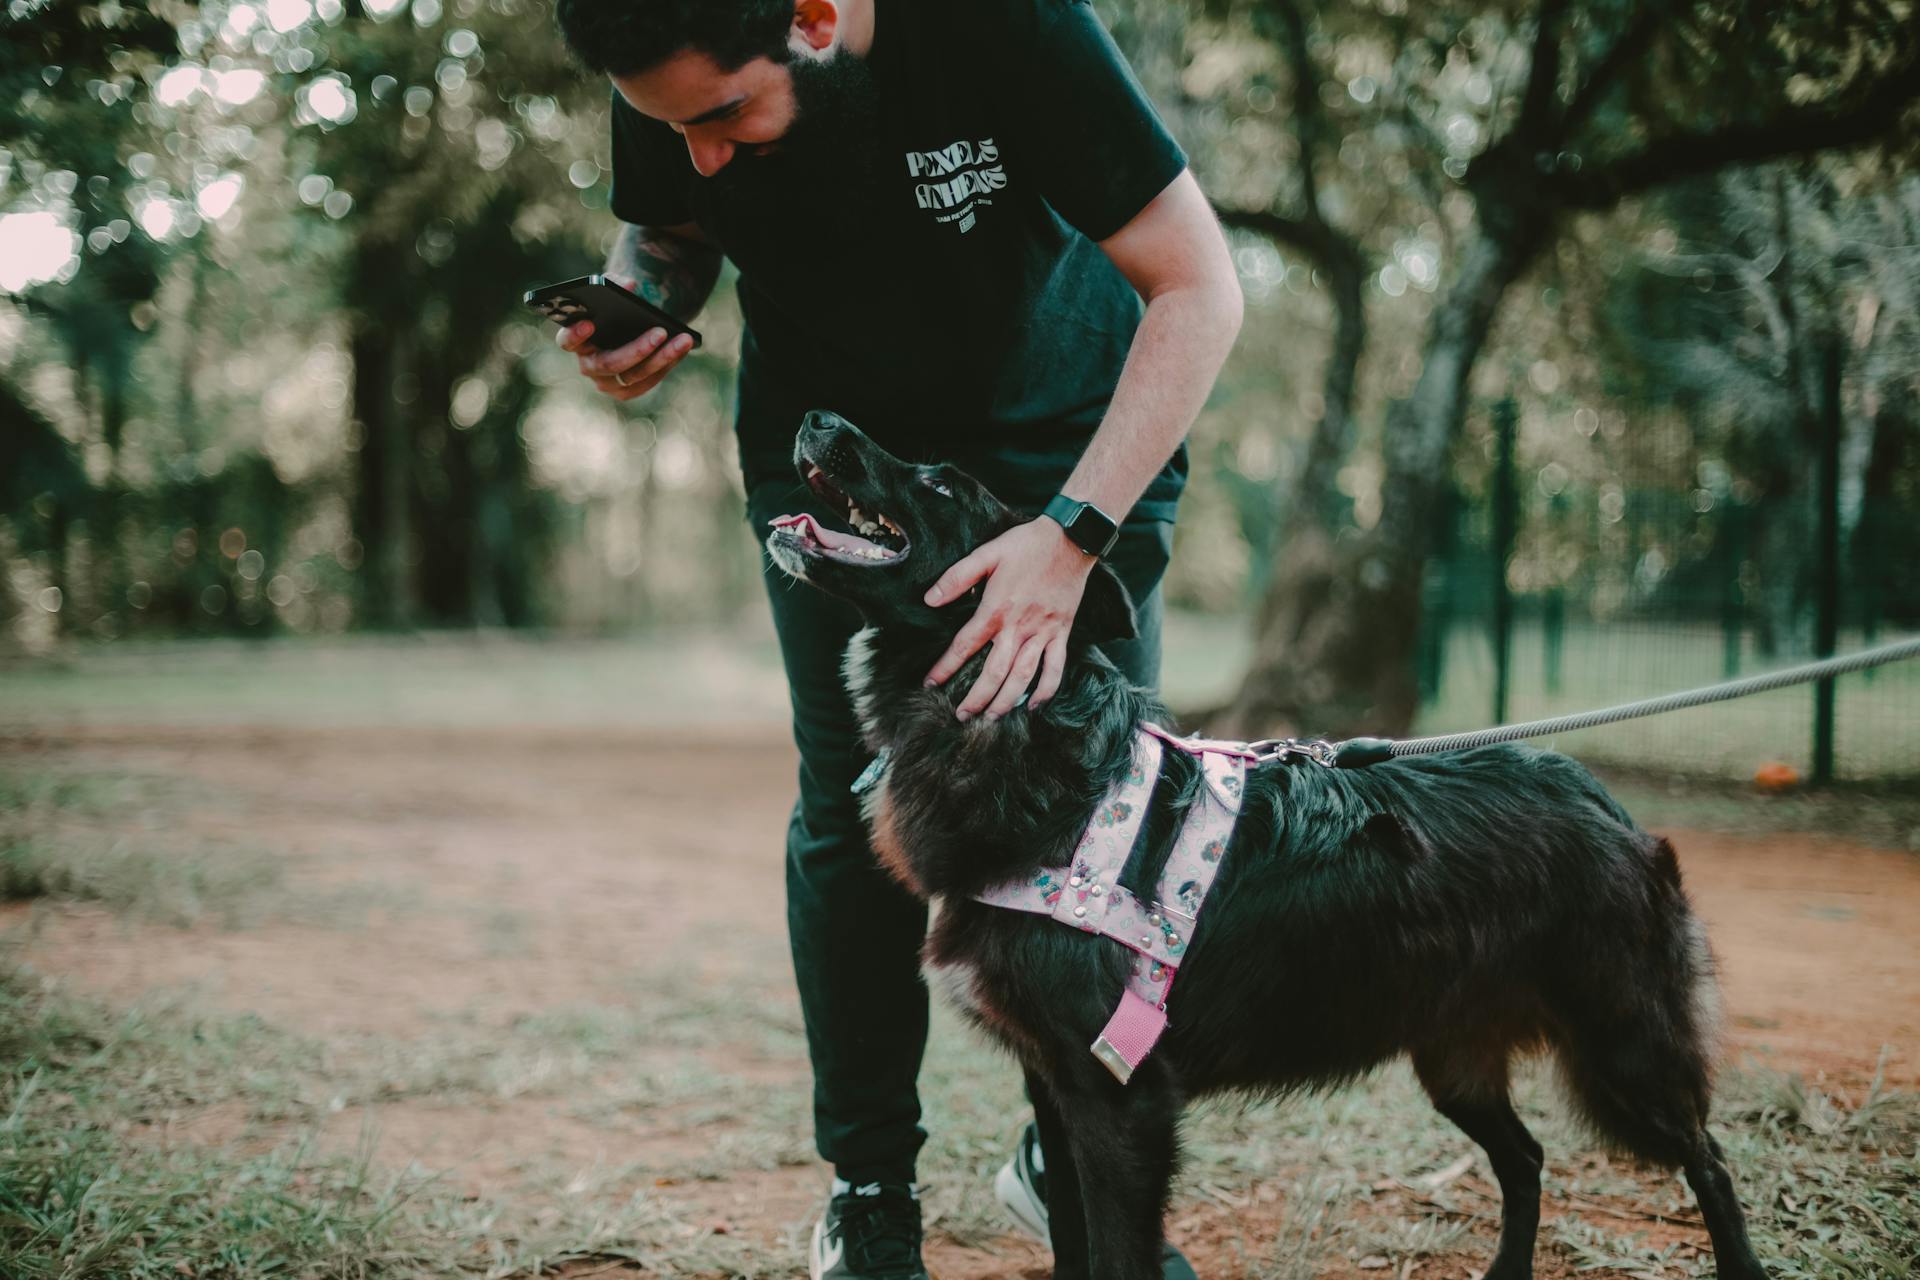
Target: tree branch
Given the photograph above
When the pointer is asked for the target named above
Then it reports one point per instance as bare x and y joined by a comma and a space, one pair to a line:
1537, 114
1631, 44
1799, 130
1309, 235
1309, 123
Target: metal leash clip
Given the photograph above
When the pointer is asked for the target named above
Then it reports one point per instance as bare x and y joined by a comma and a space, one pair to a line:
1317, 750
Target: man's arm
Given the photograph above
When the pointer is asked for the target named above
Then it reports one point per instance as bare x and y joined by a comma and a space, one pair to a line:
674, 268
1174, 254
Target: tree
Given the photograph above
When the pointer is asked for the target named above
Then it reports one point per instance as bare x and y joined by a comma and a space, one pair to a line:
1766, 282
1614, 98
70, 78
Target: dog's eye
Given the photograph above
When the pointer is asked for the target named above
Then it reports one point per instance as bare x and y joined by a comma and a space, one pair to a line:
939, 488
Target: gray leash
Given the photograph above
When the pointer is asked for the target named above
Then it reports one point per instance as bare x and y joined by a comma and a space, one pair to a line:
1357, 752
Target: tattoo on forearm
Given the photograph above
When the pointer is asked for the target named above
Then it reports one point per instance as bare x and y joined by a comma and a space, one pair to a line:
675, 274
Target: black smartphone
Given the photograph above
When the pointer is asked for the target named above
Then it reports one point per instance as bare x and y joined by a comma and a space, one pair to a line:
618, 316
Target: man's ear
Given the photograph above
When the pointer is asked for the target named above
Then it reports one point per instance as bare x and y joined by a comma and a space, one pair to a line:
815, 21
1106, 610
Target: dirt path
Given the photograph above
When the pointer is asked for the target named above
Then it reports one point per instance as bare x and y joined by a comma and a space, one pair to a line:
504, 874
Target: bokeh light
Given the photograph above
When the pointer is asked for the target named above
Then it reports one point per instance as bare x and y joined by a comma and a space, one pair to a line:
36, 247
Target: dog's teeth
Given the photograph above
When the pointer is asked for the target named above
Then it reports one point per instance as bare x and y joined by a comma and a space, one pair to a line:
892, 526
812, 470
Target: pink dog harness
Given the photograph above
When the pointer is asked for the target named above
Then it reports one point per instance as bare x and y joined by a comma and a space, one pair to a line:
1088, 894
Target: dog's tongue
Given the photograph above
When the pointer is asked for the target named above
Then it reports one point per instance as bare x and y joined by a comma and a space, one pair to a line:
821, 534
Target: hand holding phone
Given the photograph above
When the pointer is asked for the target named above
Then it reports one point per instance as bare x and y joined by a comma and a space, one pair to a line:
624, 343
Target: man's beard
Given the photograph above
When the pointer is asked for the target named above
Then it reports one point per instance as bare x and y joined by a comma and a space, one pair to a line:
831, 146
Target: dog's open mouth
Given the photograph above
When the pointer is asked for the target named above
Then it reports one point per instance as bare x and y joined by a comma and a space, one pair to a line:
877, 540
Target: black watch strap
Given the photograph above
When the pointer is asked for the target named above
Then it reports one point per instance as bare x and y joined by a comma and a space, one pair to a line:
1090, 528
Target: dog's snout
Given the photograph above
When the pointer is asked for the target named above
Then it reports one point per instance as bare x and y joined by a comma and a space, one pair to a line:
830, 442
824, 429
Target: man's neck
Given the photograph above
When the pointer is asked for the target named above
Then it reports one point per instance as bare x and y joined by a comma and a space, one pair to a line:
856, 26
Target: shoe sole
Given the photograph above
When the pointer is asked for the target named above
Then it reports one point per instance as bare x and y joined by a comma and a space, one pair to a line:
813, 1254
1019, 1203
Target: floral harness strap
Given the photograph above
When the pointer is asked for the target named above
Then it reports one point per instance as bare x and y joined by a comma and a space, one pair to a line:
1089, 896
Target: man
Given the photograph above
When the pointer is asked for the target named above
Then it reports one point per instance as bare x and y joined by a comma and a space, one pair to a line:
945, 221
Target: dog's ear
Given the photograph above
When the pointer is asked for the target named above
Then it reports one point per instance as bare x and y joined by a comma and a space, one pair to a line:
1106, 610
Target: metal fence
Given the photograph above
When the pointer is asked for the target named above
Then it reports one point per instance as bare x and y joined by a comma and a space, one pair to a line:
1596, 571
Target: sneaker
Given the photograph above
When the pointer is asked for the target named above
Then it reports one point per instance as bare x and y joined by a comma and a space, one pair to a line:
1021, 1186
869, 1232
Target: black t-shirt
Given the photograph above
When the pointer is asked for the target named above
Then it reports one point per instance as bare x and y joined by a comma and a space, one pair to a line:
942, 290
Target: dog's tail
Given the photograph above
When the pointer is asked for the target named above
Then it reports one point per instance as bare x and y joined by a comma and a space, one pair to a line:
1640, 1041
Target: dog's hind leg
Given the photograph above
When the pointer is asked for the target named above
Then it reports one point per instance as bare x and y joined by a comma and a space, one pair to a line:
1706, 1170
1477, 1101
1642, 1073
1124, 1148
1654, 1106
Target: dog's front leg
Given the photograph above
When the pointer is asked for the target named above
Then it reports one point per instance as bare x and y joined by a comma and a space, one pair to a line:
1066, 1220
1124, 1150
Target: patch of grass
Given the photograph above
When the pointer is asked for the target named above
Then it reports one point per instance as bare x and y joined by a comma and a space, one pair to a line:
142, 878
88, 1191
85, 1209
1833, 1190
79, 1199
107, 838
30, 793
504, 930
1590, 1248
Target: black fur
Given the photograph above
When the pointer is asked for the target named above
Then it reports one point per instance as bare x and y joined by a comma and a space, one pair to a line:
1460, 909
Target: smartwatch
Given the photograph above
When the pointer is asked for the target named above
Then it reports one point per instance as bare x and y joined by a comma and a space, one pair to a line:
1090, 528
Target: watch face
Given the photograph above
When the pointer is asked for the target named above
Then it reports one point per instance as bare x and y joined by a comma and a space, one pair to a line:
1089, 528
1094, 527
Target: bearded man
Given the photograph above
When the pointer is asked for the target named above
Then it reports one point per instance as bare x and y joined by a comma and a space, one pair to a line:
965, 230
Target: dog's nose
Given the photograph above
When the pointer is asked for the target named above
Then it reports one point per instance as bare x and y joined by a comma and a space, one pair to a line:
822, 420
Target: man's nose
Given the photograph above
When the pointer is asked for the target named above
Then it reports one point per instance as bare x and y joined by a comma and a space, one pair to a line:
708, 157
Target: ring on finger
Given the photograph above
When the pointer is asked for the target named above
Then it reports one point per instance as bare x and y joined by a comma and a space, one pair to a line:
621, 378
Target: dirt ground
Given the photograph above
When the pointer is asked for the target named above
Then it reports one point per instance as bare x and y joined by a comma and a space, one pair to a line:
522, 870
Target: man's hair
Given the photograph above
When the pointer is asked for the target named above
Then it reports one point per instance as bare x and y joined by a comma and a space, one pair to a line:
627, 37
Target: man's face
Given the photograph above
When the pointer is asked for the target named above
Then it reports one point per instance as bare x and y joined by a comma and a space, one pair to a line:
718, 112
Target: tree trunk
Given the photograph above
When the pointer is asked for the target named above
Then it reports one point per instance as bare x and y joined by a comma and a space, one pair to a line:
1338, 627
381, 517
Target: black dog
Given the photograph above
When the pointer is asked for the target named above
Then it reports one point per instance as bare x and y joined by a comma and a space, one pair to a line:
1460, 909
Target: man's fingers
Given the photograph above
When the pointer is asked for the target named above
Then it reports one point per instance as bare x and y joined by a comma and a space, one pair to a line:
1018, 678
604, 364
629, 390
574, 336
961, 575
1050, 672
992, 676
977, 631
656, 365
643, 376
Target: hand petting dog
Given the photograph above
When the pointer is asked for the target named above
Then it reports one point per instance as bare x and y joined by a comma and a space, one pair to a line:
1035, 576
